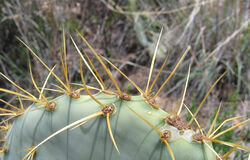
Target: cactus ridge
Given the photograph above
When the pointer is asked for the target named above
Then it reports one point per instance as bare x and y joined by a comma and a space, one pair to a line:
110, 124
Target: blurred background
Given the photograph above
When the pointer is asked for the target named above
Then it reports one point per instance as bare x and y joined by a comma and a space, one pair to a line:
126, 32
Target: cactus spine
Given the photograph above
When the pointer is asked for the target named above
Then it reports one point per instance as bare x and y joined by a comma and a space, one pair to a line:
109, 125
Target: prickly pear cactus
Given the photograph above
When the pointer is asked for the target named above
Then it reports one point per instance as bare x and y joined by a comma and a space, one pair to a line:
134, 138
108, 125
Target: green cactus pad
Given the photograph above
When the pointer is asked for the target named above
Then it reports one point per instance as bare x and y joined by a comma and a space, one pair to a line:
135, 138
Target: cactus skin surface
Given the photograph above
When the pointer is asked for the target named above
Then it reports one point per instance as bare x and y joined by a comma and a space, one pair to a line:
135, 138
